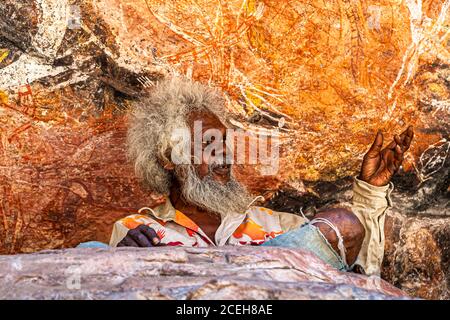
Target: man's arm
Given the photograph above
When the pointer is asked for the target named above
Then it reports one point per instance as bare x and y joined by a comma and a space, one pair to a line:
369, 205
371, 192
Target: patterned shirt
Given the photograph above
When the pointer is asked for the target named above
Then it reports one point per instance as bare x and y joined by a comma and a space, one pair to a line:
258, 225
254, 227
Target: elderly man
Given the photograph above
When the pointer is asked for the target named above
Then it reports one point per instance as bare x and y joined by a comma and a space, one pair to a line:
204, 205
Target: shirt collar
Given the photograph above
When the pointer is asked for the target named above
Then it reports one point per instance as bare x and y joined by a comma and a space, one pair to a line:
167, 212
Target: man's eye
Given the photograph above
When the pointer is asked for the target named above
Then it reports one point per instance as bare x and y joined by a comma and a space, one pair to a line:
208, 141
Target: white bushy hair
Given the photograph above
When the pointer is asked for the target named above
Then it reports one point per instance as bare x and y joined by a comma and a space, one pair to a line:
154, 118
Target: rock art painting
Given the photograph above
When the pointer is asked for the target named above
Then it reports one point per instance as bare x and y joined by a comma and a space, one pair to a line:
327, 74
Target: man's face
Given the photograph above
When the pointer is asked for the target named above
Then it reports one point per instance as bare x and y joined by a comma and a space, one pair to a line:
210, 163
210, 184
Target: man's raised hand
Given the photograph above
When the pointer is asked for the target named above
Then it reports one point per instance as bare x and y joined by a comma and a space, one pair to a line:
141, 236
379, 165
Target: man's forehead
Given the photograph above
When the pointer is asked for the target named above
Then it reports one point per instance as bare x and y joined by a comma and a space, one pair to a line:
210, 121
207, 119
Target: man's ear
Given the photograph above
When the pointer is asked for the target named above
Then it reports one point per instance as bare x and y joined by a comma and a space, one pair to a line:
169, 166
166, 164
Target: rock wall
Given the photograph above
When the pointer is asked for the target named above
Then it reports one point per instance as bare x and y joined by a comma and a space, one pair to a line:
334, 71
417, 256
231, 273
417, 247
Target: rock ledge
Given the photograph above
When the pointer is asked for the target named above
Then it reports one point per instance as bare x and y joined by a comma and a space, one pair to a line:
182, 273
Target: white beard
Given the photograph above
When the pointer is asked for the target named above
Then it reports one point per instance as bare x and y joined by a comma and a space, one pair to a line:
223, 199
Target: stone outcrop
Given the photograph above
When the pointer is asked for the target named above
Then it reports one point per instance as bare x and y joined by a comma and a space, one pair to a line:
417, 255
417, 245
69, 70
183, 273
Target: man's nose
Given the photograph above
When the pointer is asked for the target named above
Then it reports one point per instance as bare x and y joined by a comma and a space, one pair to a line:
221, 151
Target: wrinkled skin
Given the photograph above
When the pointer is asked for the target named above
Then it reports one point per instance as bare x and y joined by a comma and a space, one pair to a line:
141, 236
378, 167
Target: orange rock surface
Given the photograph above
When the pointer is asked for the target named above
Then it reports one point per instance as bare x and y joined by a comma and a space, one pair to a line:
336, 71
